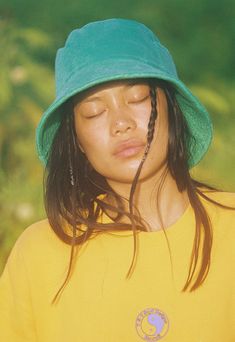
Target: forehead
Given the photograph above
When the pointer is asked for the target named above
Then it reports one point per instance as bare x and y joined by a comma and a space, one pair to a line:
125, 84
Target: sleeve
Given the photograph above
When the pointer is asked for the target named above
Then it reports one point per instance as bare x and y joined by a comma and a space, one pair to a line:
16, 314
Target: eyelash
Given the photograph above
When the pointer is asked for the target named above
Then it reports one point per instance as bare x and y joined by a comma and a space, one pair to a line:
93, 116
130, 102
138, 101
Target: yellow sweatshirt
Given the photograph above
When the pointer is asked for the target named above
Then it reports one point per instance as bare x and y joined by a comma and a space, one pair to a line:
99, 304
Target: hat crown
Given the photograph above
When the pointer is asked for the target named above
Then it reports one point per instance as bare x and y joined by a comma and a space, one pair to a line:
111, 40
118, 49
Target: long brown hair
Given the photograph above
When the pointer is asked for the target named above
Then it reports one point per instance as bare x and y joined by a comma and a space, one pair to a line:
72, 188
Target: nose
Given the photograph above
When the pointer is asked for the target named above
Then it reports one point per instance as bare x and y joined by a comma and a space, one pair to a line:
122, 122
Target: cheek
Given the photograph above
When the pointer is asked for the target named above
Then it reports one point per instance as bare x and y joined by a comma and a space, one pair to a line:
160, 138
91, 140
142, 116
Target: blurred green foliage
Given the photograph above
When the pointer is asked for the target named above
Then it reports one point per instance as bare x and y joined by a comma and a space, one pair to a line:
200, 34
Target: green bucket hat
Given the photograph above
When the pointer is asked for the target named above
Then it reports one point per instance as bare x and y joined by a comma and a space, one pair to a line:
116, 49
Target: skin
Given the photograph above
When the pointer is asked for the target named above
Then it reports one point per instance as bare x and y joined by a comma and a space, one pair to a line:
111, 122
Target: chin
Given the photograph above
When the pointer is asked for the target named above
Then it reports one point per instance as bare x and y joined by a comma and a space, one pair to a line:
126, 177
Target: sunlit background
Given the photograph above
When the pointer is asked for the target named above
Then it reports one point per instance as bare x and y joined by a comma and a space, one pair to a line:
200, 35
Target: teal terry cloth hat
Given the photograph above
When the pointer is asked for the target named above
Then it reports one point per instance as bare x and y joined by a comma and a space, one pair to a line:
116, 49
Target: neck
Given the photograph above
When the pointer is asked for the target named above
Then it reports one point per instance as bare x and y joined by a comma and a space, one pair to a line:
157, 199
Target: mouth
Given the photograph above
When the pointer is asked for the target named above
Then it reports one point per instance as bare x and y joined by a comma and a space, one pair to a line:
129, 148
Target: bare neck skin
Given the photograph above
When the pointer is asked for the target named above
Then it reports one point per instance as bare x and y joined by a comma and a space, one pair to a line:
158, 208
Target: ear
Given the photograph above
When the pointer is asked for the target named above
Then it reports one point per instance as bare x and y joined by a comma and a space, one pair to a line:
80, 147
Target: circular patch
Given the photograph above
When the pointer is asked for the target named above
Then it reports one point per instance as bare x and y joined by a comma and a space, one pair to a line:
152, 324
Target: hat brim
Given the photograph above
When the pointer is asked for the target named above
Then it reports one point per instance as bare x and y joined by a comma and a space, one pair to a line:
196, 115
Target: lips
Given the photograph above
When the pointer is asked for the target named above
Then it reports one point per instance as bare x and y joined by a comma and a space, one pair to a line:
128, 148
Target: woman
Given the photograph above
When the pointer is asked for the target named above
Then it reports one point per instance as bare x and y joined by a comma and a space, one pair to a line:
151, 250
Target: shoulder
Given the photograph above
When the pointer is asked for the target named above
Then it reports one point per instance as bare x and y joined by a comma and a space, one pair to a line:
222, 197
222, 218
219, 202
38, 231
39, 239
37, 254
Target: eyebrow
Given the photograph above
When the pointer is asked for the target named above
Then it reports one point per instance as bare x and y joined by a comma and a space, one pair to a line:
128, 85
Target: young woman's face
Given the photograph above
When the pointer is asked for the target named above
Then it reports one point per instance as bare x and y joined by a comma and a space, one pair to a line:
111, 123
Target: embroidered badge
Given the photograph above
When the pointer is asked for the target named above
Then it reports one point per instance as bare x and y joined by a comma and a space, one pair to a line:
152, 324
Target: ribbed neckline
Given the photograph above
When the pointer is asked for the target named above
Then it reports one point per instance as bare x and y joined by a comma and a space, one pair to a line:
177, 228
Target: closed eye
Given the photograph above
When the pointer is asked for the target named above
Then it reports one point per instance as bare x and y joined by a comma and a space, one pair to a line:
92, 116
139, 100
